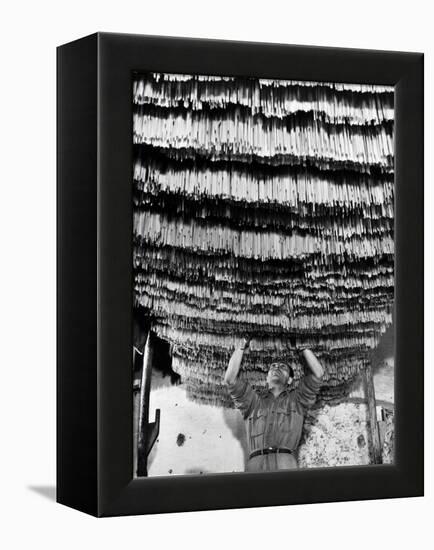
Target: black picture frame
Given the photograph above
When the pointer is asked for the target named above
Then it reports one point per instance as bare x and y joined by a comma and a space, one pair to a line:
94, 274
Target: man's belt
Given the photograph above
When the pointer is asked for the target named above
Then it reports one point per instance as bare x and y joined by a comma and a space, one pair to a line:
269, 450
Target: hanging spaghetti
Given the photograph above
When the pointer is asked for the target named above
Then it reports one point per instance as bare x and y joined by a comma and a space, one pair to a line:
263, 207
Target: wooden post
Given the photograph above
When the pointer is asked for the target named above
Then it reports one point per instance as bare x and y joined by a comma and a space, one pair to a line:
142, 454
372, 415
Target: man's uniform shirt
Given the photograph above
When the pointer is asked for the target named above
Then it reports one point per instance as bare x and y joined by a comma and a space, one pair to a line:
274, 421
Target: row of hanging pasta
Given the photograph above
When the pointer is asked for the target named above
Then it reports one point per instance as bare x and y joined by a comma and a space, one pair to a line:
223, 207
263, 304
274, 82
183, 314
195, 372
189, 234
195, 130
334, 106
216, 359
278, 161
283, 189
270, 305
229, 311
258, 379
258, 276
158, 283
227, 269
291, 295
192, 338
344, 225
218, 396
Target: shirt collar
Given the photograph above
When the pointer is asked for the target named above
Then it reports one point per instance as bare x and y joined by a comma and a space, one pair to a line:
267, 392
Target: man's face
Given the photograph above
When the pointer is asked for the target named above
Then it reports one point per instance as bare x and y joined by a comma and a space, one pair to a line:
278, 373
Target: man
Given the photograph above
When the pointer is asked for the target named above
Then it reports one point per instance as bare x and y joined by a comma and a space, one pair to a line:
274, 417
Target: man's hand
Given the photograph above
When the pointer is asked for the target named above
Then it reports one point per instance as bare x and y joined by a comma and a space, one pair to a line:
245, 342
291, 342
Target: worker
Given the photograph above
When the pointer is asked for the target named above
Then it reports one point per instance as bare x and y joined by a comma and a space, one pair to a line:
274, 416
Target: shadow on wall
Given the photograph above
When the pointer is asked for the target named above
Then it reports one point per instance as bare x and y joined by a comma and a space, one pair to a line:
236, 425
385, 349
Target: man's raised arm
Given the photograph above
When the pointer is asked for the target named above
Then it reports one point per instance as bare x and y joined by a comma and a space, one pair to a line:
312, 363
235, 362
310, 384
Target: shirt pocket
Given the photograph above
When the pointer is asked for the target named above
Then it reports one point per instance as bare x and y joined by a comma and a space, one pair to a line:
288, 418
283, 419
258, 422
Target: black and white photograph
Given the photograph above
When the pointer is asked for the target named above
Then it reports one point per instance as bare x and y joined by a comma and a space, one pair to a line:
263, 274
216, 287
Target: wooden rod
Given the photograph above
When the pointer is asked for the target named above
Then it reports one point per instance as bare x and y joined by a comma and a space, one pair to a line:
142, 454
372, 415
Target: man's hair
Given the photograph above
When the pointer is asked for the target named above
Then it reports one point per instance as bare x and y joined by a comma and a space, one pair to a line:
288, 367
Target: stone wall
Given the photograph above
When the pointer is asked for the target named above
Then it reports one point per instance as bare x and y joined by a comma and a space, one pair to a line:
338, 435
335, 436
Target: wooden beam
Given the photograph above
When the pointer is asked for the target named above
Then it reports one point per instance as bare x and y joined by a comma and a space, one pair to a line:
362, 400
372, 415
142, 451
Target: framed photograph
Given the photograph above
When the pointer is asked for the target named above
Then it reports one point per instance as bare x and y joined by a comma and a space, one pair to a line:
240, 274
